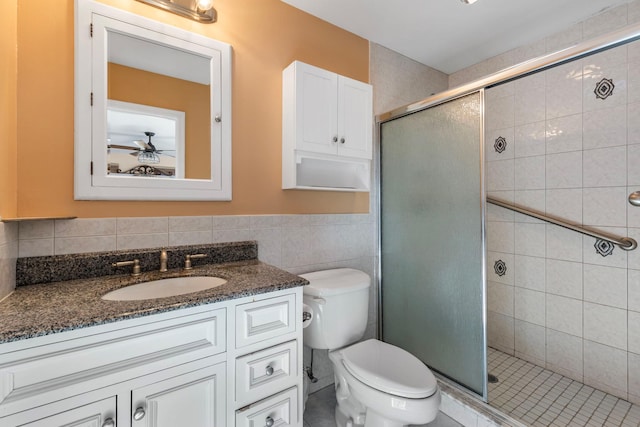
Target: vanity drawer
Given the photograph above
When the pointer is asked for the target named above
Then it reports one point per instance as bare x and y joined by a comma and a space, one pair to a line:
261, 320
280, 410
265, 372
111, 356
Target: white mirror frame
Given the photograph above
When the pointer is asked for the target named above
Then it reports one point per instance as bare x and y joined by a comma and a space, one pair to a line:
91, 22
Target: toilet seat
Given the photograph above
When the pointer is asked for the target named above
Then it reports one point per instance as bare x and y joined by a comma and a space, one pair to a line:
389, 369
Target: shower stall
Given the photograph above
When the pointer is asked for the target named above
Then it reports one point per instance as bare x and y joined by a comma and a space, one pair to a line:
506, 236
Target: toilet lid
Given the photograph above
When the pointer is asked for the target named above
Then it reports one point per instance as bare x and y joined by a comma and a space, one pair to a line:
333, 282
389, 369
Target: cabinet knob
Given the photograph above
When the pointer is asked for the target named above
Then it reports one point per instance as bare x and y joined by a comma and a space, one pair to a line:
269, 370
335, 139
341, 140
139, 414
218, 118
268, 422
109, 423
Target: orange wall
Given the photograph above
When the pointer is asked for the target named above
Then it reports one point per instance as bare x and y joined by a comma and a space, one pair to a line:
266, 36
142, 87
8, 107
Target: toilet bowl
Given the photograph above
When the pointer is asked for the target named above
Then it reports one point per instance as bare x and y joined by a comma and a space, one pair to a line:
380, 385
377, 384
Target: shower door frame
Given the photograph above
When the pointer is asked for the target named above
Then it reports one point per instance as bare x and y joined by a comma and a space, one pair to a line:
614, 39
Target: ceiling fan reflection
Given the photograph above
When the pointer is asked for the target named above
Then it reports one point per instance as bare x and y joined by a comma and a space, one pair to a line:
145, 150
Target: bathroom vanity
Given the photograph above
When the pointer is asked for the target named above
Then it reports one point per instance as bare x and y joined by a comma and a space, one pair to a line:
230, 355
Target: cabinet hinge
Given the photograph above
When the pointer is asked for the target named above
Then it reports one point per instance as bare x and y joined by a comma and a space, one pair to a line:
91, 168
91, 101
91, 30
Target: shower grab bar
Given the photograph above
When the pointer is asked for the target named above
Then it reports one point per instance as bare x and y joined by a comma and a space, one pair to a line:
626, 243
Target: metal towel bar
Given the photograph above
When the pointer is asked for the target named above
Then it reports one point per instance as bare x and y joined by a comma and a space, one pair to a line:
626, 243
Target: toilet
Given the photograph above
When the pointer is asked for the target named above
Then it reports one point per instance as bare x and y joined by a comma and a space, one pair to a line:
377, 384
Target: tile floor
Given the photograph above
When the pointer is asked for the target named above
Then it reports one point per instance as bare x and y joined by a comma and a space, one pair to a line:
321, 405
540, 397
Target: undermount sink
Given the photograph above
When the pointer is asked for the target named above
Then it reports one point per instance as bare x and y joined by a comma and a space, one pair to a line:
164, 288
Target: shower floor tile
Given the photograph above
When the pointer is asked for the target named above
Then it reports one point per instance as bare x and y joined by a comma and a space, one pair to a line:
540, 397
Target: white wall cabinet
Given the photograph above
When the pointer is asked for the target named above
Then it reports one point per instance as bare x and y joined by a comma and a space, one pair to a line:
180, 368
327, 130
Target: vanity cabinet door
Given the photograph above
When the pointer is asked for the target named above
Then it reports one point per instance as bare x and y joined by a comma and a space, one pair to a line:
195, 399
281, 410
97, 414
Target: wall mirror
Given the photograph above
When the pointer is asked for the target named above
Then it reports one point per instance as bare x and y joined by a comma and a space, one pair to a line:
152, 109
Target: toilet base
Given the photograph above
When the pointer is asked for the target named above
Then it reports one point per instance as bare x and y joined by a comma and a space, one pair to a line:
355, 401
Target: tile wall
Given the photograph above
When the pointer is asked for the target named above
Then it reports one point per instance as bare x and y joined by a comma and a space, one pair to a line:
8, 255
566, 141
398, 80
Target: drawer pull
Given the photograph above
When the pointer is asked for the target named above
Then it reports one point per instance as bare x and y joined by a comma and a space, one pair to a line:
268, 422
109, 423
269, 370
139, 414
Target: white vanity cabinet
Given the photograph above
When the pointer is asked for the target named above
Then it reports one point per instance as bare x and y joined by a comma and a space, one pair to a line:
178, 368
327, 129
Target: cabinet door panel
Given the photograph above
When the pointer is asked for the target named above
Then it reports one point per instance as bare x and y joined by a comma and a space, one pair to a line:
91, 415
316, 111
280, 410
355, 118
195, 399
265, 319
266, 372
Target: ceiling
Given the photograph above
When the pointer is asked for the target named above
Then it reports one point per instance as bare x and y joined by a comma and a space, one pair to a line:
449, 35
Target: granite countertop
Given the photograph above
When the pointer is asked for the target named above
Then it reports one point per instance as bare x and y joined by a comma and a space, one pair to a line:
48, 308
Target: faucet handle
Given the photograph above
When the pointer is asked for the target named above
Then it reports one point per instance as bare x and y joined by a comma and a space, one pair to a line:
187, 261
135, 263
163, 260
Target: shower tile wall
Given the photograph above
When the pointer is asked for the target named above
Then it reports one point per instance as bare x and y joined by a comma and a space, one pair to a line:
567, 142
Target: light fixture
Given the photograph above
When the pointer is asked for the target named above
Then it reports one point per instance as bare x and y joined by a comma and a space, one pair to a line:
198, 10
468, 1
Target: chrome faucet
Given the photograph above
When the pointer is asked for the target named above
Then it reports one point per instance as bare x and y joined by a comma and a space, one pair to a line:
163, 260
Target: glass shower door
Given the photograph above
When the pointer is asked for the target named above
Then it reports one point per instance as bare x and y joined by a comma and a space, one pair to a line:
432, 238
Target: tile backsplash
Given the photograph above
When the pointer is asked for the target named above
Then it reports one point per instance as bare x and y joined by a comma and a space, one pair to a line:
8, 255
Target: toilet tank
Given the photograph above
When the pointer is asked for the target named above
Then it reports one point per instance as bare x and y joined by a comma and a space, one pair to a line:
339, 300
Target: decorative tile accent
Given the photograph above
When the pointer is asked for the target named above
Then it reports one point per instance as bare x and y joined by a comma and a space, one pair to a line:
604, 88
500, 268
603, 247
500, 145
